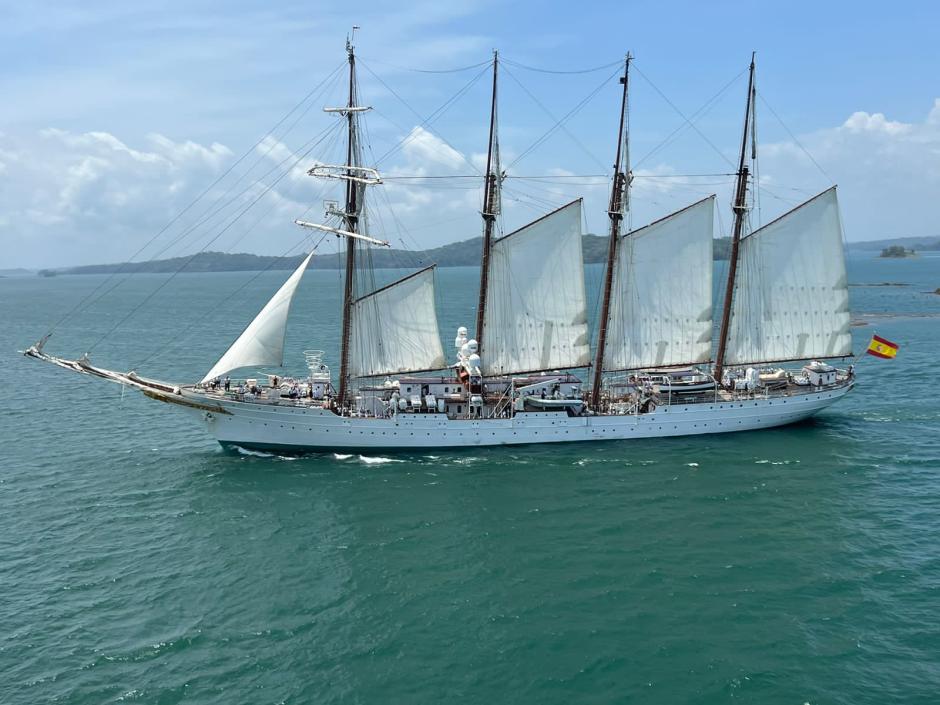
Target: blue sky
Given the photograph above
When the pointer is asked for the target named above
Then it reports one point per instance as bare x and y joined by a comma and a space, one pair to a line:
116, 115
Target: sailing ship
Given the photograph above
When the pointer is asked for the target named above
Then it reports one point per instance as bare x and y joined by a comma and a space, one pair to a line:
653, 372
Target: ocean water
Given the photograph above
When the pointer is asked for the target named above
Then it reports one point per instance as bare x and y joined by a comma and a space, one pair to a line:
141, 563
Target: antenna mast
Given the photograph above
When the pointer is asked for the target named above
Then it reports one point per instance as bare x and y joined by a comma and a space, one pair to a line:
740, 211
619, 201
490, 205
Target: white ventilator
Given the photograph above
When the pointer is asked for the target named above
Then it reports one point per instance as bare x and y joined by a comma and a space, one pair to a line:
791, 299
536, 309
262, 342
661, 296
394, 329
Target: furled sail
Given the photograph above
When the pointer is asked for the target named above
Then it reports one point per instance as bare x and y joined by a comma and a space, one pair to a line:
536, 310
791, 298
262, 342
661, 297
394, 329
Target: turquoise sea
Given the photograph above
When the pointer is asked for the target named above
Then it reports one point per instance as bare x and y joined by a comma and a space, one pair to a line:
141, 563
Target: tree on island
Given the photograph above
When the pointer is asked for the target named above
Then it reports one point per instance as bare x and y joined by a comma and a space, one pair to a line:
896, 251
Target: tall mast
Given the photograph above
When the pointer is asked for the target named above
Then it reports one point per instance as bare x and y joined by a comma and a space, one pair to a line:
490, 204
619, 199
351, 218
740, 211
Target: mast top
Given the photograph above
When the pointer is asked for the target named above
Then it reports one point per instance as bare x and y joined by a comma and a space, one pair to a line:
627, 59
350, 40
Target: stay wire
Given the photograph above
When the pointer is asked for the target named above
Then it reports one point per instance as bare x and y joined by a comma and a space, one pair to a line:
571, 113
182, 336
793, 137
619, 62
406, 68
538, 177
705, 107
153, 293
426, 122
551, 116
682, 115
192, 203
209, 216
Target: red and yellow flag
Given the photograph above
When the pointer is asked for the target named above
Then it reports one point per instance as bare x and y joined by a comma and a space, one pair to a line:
879, 347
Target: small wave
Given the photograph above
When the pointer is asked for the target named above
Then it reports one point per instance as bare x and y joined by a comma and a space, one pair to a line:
342, 456
692, 465
254, 453
378, 461
264, 454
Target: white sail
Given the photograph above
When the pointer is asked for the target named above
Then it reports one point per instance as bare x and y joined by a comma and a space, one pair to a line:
262, 342
394, 329
661, 297
536, 311
791, 299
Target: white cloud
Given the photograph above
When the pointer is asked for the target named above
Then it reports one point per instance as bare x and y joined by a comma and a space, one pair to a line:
183, 152
92, 197
867, 122
87, 197
426, 150
888, 172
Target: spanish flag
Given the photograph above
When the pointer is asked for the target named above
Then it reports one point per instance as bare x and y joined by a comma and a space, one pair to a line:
879, 347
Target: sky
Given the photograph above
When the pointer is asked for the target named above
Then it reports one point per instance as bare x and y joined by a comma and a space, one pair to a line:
117, 116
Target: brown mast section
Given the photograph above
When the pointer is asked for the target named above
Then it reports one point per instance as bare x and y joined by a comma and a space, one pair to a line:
740, 210
351, 217
490, 206
615, 210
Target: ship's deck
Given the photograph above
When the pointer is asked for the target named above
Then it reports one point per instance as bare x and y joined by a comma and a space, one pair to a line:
635, 403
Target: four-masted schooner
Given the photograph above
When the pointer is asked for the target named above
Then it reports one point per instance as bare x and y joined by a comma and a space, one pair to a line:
654, 373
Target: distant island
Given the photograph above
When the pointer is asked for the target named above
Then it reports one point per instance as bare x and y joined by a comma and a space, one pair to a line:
897, 251
912, 243
465, 253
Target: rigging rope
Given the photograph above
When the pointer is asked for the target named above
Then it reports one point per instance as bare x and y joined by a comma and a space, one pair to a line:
426, 122
198, 198
705, 107
682, 115
577, 108
181, 336
793, 137
548, 112
207, 217
618, 62
406, 68
153, 293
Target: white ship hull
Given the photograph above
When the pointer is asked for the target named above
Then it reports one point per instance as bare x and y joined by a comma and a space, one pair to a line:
298, 429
